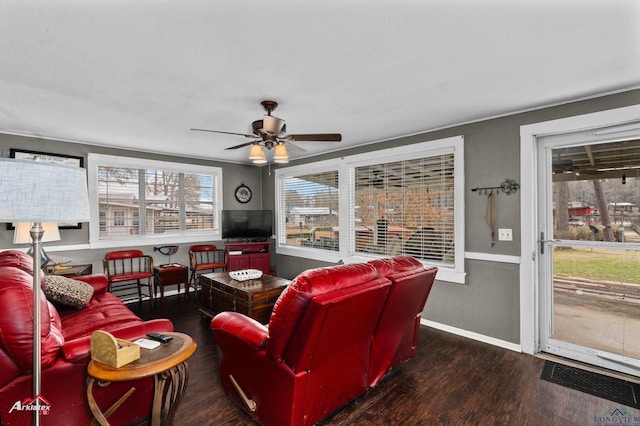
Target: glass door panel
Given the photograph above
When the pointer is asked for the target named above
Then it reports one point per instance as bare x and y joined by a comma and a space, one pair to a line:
596, 295
590, 265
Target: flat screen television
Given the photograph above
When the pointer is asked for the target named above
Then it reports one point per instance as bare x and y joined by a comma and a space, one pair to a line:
247, 224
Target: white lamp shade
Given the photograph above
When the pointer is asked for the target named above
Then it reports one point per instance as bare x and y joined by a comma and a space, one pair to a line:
261, 160
256, 152
271, 124
32, 191
280, 154
22, 235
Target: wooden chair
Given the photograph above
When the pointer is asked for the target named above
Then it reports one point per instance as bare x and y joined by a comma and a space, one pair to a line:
204, 258
128, 272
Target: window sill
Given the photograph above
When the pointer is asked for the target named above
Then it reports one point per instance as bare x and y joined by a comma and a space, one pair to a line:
447, 274
155, 240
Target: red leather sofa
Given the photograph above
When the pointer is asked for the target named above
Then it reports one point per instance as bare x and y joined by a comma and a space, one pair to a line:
334, 333
65, 350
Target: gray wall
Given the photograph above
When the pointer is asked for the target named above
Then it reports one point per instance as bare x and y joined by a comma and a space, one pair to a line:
233, 175
488, 303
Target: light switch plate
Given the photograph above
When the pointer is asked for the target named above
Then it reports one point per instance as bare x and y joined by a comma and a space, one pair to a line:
505, 234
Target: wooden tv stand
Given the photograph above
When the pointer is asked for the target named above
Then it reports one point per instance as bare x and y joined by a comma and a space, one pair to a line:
249, 256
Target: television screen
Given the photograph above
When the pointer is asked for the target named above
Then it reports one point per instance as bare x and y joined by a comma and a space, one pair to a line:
247, 224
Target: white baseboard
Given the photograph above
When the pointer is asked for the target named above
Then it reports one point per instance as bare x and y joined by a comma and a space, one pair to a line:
471, 335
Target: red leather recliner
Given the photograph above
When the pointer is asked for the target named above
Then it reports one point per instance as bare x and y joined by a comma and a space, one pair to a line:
317, 352
65, 352
396, 335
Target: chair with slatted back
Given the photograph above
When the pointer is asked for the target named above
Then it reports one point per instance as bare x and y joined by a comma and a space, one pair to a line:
204, 258
128, 273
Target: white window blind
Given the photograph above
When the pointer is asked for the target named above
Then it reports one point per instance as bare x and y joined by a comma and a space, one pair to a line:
308, 215
406, 207
138, 201
400, 200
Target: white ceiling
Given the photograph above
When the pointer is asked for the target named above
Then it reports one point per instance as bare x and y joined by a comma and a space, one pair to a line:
138, 74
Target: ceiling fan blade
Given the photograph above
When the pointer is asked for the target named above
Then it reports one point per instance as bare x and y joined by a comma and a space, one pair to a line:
241, 145
228, 133
295, 149
320, 137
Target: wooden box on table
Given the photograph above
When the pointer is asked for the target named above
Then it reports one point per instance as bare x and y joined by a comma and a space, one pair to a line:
254, 298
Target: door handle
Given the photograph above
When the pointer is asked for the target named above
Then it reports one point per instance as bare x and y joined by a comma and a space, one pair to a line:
542, 241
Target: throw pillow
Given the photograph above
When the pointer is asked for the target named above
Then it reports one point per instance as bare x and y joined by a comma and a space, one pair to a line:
67, 291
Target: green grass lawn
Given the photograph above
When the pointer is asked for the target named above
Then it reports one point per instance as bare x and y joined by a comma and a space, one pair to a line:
598, 264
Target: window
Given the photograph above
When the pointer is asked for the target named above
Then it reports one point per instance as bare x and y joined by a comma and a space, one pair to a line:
118, 218
406, 207
309, 213
151, 199
359, 207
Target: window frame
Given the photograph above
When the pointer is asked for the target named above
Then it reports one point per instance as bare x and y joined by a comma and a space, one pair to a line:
101, 160
289, 172
346, 188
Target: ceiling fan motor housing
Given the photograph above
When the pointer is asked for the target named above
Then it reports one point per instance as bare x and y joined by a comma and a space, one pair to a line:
257, 128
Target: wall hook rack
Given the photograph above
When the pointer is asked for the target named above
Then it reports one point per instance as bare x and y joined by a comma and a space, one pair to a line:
509, 186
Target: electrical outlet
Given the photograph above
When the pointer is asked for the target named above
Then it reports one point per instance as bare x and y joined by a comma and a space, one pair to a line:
505, 234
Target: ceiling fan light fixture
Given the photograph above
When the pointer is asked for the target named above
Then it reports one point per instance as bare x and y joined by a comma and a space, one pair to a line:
262, 159
272, 125
256, 152
280, 154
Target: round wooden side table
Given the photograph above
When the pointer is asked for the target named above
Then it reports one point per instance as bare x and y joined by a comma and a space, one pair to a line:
167, 364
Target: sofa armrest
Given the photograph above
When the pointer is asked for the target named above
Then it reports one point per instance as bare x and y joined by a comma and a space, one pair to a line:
241, 327
98, 282
78, 350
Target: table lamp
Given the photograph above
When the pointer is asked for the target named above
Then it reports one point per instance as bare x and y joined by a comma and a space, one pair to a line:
37, 192
22, 235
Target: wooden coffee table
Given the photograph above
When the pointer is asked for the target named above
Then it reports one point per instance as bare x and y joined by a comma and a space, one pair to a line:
254, 298
167, 364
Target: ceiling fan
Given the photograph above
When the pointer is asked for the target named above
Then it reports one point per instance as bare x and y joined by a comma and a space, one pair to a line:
271, 132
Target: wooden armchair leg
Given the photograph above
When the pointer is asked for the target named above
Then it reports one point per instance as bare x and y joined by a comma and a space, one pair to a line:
250, 403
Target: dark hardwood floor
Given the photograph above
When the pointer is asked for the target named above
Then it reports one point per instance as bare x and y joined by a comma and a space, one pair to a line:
452, 381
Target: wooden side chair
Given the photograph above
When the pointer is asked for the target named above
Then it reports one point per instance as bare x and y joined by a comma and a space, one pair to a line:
204, 258
128, 273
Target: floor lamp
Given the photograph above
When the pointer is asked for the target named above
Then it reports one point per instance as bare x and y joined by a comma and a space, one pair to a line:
36, 192
22, 235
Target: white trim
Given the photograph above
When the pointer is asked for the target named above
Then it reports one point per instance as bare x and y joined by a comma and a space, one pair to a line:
529, 309
471, 335
435, 147
70, 247
156, 240
144, 163
501, 258
201, 237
